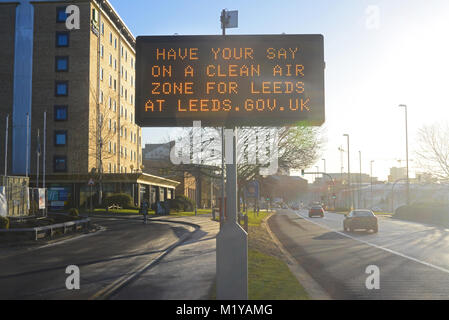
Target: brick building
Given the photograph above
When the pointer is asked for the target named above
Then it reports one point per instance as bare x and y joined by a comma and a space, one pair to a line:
83, 79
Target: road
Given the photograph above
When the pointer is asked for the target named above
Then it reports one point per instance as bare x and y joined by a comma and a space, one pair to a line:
123, 247
413, 258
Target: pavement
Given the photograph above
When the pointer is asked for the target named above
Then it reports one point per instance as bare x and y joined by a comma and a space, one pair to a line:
413, 258
108, 260
187, 273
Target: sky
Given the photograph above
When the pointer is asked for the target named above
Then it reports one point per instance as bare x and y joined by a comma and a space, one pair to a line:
378, 53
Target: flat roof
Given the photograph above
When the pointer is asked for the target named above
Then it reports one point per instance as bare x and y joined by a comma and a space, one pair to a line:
142, 178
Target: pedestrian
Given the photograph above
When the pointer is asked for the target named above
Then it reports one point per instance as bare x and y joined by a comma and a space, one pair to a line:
144, 210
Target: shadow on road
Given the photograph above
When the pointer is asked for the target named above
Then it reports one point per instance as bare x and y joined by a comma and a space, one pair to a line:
329, 236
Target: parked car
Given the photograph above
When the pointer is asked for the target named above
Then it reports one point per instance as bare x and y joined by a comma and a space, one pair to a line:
360, 219
316, 211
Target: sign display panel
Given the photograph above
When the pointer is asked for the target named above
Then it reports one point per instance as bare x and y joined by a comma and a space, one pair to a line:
254, 80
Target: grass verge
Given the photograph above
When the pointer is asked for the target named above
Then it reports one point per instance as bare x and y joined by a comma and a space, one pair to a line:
269, 277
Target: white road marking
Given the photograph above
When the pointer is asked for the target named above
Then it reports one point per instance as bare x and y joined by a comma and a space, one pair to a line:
376, 246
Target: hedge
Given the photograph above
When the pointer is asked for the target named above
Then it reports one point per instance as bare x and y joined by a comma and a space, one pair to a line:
432, 213
122, 199
181, 203
74, 212
4, 223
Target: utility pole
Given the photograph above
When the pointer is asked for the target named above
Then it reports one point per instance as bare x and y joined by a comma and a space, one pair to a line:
406, 152
351, 198
360, 181
322, 182
371, 175
341, 163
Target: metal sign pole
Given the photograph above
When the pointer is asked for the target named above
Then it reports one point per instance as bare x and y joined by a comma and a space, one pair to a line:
232, 240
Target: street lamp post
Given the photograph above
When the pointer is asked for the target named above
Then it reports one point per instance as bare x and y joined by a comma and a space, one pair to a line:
327, 191
351, 199
407, 196
360, 181
371, 176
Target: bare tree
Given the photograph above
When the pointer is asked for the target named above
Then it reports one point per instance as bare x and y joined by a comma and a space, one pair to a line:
297, 148
433, 151
106, 126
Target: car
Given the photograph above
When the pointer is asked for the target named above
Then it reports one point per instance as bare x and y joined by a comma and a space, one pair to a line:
360, 219
316, 211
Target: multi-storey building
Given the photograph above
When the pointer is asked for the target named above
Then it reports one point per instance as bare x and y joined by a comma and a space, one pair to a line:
81, 75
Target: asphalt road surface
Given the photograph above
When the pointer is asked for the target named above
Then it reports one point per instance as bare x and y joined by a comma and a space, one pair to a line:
412, 258
104, 258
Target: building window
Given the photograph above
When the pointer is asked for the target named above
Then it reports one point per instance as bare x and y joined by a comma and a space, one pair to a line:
60, 164
102, 51
61, 113
102, 28
61, 88
115, 43
62, 39
95, 17
62, 64
60, 138
61, 15
110, 59
101, 73
110, 37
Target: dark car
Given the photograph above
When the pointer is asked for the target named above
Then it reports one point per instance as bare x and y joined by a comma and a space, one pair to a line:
316, 211
360, 219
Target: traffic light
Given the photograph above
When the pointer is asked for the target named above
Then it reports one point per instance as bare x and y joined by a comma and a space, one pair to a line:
302, 172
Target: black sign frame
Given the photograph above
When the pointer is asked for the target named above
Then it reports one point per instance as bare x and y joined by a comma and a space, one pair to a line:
310, 54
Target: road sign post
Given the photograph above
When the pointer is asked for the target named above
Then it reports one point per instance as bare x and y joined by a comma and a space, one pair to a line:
91, 183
